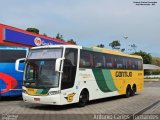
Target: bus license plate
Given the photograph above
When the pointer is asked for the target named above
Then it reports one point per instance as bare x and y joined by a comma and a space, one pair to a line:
36, 99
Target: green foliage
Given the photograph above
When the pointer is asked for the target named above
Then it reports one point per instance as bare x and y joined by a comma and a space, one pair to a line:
147, 72
115, 44
123, 49
151, 72
147, 58
101, 46
156, 61
133, 47
60, 37
45, 34
156, 72
72, 41
34, 30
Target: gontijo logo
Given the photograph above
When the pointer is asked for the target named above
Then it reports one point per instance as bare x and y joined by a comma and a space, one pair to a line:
10, 82
69, 97
38, 41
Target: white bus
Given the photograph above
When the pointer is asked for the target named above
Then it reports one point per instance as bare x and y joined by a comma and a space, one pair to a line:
65, 74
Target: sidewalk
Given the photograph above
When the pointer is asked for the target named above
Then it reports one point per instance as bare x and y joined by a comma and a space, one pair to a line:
151, 80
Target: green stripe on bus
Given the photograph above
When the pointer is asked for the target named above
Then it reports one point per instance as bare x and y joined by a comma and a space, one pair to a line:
42, 91
104, 80
109, 80
39, 91
45, 91
100, 80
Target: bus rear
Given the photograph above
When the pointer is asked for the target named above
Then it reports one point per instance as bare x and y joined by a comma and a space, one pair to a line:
11, 80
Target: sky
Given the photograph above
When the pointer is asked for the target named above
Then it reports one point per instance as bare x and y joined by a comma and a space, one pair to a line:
89, 22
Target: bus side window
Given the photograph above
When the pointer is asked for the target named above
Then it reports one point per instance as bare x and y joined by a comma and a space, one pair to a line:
86, 59
114, 62
82, 62
119, 62
70, 55
98, 60
140, 65
109, 61
133, 64
129, 65
124, 63
136, 64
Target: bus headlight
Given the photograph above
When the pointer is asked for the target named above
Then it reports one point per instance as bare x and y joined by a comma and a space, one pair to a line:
54, 92
24, 91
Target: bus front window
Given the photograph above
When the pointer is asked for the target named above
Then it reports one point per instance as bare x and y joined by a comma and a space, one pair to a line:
41, 74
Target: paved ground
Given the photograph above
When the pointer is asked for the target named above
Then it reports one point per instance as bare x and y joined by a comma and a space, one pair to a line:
146, 102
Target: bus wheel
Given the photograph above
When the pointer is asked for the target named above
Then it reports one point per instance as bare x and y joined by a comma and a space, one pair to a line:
128, 91
83, 98
133, 90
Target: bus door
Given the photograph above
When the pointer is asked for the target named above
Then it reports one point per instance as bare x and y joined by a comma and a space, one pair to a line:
69, 74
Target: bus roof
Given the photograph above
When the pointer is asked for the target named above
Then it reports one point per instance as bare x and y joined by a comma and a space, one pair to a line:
95, 49
113, 52
57, 46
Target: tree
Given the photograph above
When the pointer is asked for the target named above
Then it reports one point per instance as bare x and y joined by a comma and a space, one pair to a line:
101, 46
123, 49
133, 47
147, 58
34, 30
60, 37
156, 61
115, 44
45, 34
72, 41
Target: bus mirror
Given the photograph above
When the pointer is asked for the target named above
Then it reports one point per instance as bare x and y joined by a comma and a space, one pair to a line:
58, 64
17, 64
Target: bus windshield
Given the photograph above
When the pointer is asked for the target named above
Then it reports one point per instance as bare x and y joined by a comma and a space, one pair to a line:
40, 68
41, 74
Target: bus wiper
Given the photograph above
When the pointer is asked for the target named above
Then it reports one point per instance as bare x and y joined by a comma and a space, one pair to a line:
42, 87
30, 81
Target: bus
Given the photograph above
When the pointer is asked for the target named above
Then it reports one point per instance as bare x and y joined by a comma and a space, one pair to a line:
11, 80
66, 74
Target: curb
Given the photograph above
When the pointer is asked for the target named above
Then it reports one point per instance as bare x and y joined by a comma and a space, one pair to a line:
151, 80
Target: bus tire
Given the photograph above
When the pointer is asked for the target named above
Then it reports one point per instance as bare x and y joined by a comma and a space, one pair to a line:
83, 98
133, 90
128, 91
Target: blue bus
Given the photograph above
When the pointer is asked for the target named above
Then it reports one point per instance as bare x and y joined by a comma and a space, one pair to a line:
11, 80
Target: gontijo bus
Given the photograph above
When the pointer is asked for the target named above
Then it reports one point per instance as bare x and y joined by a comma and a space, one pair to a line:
65, 74
11, 80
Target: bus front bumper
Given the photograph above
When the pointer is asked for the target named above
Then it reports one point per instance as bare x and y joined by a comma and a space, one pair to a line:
49, 99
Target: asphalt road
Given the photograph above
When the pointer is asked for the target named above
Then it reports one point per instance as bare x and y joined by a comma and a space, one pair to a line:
119, 107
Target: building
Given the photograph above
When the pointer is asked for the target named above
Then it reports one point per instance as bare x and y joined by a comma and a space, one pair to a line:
151, 71
11, 36
150, 67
